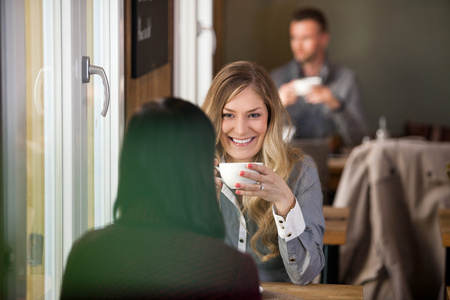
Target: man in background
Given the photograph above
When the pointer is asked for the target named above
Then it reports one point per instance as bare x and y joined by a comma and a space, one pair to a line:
332, 105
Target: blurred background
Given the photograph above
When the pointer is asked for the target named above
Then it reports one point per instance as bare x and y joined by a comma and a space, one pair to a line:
400, 50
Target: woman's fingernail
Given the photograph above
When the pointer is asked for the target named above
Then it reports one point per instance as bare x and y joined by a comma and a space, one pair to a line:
238, 192
237, 185
249, 166
242, 173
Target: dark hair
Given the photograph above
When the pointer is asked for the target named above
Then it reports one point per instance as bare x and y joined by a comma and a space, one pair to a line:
311, 14
166, 175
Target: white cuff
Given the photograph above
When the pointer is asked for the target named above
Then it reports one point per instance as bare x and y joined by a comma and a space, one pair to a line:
293, 226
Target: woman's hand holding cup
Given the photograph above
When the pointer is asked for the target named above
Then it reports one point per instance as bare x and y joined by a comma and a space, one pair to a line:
269, 187
230, 173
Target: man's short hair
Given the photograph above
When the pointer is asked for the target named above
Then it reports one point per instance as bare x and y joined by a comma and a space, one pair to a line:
310, 14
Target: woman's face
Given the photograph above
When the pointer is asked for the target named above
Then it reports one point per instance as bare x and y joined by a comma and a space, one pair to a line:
244, 126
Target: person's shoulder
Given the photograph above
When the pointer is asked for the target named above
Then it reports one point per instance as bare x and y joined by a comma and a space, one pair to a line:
91, 245
94, 237
283, 70
341, 71
306, 163
304, 171
225, 257
220, 247
217, 245
235, 270
290, 64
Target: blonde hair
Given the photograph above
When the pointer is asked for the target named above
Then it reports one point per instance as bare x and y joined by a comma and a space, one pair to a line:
275, 153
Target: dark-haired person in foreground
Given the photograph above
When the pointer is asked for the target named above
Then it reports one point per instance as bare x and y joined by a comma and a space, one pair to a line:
166, 241
333, 107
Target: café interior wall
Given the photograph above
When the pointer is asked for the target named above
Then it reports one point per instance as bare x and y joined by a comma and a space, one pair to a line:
400, 50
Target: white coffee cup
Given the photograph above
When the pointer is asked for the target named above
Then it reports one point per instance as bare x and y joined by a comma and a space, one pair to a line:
230, 173
303, 86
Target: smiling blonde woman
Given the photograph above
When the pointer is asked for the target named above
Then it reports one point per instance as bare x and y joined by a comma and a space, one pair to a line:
279, 219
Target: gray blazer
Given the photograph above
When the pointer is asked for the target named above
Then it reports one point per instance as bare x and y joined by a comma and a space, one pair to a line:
301, 248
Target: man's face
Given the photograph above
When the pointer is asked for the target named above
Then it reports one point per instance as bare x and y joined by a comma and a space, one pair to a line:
308, 41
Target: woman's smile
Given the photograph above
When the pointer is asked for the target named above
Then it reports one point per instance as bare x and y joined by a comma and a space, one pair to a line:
242, 142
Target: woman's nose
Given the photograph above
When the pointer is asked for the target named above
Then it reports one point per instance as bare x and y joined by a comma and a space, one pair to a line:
241, 126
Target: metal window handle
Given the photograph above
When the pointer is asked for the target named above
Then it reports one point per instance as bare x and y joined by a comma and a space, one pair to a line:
201, 28
39, 106
86, 70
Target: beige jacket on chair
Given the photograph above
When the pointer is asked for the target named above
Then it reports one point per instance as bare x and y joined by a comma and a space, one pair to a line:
394, 189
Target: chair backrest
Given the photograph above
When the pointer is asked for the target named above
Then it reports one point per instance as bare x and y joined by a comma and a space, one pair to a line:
431, 132
318, 149
394, 189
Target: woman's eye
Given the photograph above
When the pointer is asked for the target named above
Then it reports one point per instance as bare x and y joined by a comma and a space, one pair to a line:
227, 115
254, 115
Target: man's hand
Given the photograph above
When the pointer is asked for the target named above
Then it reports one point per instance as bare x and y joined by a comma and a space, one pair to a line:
322, 94
287, 94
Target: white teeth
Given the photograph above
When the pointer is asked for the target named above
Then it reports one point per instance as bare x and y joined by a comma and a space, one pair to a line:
242, 141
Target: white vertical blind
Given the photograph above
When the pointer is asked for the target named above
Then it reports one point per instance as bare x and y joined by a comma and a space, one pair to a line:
185, 44
108, 131
52, 144
117, 104
194, 43
206, 41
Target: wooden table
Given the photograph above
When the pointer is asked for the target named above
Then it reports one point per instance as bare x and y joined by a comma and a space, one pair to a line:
283, 290
448, 170
336, 164
336, 223
444, 225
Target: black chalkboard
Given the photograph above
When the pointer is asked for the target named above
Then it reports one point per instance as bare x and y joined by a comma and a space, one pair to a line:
149, 36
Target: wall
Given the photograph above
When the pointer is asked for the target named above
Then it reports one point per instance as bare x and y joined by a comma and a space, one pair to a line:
150, 86
400, 50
